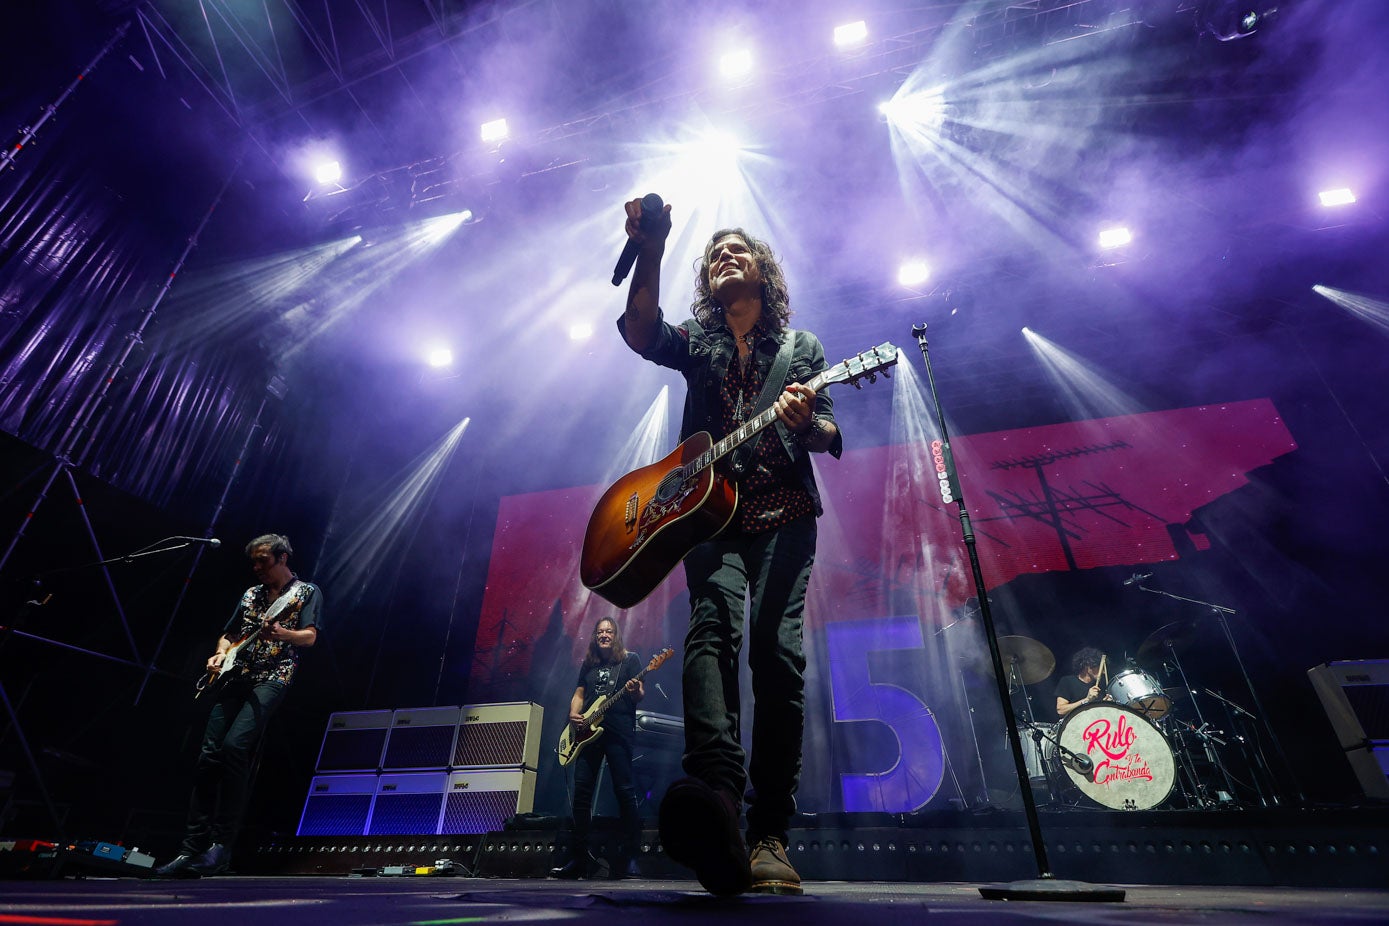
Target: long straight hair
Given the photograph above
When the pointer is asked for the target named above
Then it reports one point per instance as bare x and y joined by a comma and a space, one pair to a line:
595, 657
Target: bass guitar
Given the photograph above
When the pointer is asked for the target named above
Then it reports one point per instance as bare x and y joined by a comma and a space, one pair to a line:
649, 519
574, 739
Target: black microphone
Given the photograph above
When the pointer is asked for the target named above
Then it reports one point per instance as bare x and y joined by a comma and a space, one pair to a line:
1137, 577
651, 208
210, 541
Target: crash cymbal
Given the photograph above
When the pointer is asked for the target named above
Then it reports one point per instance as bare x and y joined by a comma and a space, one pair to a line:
1176, 636
1033, 660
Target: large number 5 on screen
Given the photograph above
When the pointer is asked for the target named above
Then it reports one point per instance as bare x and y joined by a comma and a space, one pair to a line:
915, 777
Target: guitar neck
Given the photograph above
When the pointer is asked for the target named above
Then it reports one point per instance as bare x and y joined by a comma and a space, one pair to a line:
746, 431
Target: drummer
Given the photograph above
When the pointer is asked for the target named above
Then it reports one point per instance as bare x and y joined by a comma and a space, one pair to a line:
1082, 686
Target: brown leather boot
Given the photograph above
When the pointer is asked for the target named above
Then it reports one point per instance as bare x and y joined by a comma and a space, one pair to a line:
771, 870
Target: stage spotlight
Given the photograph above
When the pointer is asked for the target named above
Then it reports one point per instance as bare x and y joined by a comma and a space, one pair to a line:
913, 272
327, 172
1340, 197
850, 34
580, 331
439, 356
1115, 237
736, 64
496, 130
923, 110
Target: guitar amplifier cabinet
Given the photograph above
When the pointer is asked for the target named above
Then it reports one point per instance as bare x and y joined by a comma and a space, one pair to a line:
354, 741
422, 738
481, 801
338, 805
505, 734
1355, 695
408, 804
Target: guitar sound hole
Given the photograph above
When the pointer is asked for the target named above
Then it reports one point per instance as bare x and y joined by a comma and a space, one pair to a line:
670, 485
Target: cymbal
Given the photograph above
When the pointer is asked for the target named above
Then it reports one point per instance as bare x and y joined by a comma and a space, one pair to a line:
1033, 660
1176, 636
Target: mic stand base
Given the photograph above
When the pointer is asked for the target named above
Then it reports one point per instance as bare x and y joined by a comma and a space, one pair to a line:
1052, 889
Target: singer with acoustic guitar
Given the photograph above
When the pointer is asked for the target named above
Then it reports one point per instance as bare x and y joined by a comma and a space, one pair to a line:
247, 678
607, 668
740, 359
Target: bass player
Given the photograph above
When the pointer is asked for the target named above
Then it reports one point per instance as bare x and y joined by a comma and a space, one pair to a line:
607, 667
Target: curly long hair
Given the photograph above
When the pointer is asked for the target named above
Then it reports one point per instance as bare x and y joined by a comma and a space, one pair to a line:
1087, 658
595, 656
776, 301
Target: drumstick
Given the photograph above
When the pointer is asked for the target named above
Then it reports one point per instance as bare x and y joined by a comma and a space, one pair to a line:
1104, 672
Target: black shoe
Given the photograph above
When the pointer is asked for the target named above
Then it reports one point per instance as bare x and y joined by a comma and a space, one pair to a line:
214, 861
699, 829
180, 867
580, 867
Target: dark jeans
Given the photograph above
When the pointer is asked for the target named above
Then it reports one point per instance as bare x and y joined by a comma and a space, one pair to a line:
616, 748
222, 778
774, 569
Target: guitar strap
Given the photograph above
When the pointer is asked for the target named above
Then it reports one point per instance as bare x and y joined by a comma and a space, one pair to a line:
771, 390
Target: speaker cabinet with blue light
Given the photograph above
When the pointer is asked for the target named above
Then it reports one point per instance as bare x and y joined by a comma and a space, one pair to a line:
408, 804
482, 800
338, 805
504, 734
422, 738
354, 741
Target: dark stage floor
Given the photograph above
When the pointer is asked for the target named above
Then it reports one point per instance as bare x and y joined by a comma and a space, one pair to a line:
345, 901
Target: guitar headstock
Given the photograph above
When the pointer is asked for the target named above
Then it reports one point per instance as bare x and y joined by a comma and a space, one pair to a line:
868, 364
659, 659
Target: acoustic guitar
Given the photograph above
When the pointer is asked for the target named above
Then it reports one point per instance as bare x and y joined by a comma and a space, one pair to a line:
649, 519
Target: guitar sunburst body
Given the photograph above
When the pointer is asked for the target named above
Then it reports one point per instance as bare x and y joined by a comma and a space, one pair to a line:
650, 518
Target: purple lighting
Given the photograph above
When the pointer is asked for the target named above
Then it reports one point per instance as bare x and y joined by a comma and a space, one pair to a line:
850, 34
327, 172
496, 130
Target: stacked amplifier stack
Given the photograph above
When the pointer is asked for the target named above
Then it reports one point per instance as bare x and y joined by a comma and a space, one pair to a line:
424, 771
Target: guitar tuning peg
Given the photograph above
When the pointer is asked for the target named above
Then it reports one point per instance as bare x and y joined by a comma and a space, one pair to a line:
872, 377
886, 375
857, 384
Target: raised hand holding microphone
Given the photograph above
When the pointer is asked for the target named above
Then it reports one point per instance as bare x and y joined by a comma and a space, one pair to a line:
648, 222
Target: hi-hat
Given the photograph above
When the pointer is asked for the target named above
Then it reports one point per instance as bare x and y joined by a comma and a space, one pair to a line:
1174, 637
1033, 660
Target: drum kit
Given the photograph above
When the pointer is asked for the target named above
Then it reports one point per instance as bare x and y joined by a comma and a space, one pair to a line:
1144, 745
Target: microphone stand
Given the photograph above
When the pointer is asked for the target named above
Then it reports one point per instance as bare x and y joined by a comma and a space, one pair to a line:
1220, 611
1046, 886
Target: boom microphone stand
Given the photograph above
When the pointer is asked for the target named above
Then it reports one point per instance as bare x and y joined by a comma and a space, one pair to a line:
1046, 886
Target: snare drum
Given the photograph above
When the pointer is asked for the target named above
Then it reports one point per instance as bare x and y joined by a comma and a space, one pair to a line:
1137, 689
1131, 765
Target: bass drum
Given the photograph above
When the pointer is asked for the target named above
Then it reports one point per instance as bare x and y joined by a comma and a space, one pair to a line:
1132, 767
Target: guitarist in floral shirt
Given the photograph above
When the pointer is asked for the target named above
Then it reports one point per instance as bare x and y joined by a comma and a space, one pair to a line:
250, 672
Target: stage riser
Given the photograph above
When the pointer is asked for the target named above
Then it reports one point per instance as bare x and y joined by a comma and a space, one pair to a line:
1286, 857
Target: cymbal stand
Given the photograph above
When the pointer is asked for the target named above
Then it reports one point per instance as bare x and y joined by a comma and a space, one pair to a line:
1246, 733
1219, 612
1203, 733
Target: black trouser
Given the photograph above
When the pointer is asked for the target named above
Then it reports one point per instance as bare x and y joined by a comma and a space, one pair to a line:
775, 568
222, 779
616, 747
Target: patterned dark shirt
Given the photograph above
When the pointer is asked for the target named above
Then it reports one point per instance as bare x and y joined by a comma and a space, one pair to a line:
274, 659
771, 492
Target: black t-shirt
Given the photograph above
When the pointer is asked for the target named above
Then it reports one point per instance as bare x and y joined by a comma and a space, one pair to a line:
603, 679
1071, 689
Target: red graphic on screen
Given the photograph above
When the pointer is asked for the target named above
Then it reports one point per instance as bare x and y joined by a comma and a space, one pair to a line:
1107, 492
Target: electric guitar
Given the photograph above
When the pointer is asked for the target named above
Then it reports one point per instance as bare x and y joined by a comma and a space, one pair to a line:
573, 740
649, 519
217, 676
